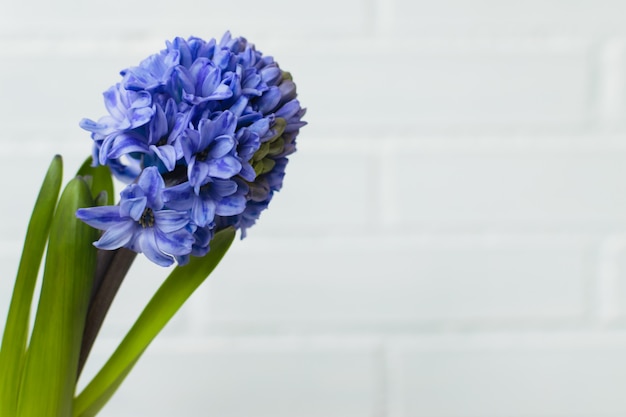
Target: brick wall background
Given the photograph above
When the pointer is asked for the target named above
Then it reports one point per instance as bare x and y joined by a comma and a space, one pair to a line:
451, 238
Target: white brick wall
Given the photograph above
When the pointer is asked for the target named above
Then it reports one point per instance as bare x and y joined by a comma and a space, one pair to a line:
451, 238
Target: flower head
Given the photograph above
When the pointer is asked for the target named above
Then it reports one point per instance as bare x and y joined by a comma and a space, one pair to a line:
201, 132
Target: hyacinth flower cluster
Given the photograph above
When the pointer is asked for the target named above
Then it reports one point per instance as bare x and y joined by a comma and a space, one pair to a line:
200, 132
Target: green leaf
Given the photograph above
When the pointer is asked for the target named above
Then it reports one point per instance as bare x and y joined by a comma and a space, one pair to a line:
15, 336
49, 378
168, 299
110, 390
101, 199
101, 180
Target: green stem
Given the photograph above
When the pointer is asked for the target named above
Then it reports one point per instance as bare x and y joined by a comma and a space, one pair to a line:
168, 299
111, 269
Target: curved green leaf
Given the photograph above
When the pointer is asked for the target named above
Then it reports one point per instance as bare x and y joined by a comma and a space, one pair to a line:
15, 336
49, 378
110, 390
101, 180
168, 299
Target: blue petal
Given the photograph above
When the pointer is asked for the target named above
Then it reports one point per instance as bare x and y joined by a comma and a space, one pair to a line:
225, 168
132, 191
133, 207
95, 127
231, 206
152, 184
171, 59
176, 243
251, 81
203, 236
180, 45
225, 123
248, 143
203, 211
222, 58
247, 172
223, 188
226, 38
260, 127
287, 91
140, 99
105, 146
126, 143
127, 171
288, 110
182, 260
207, 131
206, 49
146, 243
222, 92
170, 220
152, 72
269, 100
101, 218
138, 78
167, 155
182, 81
221, 146
197, 173
112, 102
211, 81
179, 197
294, 127
117, 236
141, 116
170, 109
158, 126
239, 106
190, 143
271, 74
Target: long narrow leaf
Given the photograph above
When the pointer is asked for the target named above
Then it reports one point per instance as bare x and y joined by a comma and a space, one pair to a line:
168, 299
49, 379
15, 336
104, 398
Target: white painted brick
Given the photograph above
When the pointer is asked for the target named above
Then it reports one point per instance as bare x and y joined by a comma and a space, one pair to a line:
509, 17
271, 381
118, 19
406, 89
614, 267
9, 263
535, 375
386, 283
440, 87
23, 165
323, 192
612, 85
30, 168
43, 90
381, 228
483, 189
53, 85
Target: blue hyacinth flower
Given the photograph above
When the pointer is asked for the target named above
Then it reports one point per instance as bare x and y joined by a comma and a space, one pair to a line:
140, 223
214, 121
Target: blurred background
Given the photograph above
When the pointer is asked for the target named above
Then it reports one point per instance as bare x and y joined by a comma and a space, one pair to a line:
451, 237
